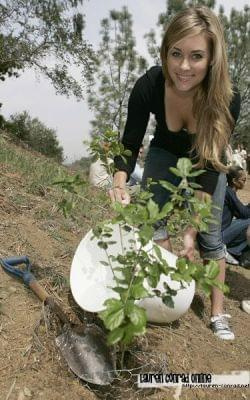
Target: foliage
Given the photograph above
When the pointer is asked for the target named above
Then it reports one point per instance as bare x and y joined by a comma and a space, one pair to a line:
117, 68
83, 163
237, 31
45, 35
137, 269
105, 146
70, 185
35, 134
101, 147
39, 172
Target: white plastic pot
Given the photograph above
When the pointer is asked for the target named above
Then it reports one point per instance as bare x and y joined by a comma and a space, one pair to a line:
91, 282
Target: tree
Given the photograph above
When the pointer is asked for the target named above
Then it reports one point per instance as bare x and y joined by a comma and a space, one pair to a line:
116, 71
237, 34
82, 164
23, 128
45, 35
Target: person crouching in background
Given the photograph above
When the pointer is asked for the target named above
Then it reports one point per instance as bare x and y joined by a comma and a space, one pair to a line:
236, 220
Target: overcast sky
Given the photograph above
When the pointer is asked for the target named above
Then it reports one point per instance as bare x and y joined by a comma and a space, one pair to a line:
70, 118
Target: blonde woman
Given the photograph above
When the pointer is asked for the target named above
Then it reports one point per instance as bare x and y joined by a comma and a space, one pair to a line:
195, 109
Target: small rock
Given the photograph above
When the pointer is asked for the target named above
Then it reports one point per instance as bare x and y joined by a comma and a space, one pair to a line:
12, 289
27, 392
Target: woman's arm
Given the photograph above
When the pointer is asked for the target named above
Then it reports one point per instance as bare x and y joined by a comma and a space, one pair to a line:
118, 191
139, 107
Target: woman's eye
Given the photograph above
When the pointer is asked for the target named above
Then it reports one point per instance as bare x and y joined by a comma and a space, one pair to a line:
176, 54
197, 56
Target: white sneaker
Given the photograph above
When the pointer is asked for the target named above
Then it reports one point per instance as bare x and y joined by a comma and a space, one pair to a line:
220, 327
230, 259
245, 305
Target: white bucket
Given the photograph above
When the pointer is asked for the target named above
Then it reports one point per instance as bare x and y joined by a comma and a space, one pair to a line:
91, 282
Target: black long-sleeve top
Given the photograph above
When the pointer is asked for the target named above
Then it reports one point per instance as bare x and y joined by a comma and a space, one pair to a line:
147, 97
233, 207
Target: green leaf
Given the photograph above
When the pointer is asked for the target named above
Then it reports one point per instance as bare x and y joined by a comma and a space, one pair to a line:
106, 264
181, 264
192, 267
166, 209
146, 234
137, 315
205, 287
114, 319
120, 290
157, 251
212, 270
194, 185
115, 336
127, 153
153, 209
113, 304
176, 171
176, 277
153, 270
102, 245
184, 165
139, 292
169, 291
197, 173
223, 287
153, 281
166, 185
168, 301
131, 331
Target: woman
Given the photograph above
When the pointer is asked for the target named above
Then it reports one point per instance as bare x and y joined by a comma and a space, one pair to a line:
195, 110
236, 217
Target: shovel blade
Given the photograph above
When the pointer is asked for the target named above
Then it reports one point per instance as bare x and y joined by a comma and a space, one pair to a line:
87, 354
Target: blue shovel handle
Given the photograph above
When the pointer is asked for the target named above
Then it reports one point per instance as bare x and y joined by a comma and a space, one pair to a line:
9, 264
28, 278
17, 260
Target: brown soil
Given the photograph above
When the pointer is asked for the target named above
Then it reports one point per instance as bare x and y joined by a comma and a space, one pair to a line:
30, 365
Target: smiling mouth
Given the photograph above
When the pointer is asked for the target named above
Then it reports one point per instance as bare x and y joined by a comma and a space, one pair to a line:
184, 77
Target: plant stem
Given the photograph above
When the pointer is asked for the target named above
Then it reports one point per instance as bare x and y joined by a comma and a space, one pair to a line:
123, 349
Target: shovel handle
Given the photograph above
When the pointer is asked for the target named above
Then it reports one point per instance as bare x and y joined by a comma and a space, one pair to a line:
38, 290
53, 305
28, 278
14, 261
48, 300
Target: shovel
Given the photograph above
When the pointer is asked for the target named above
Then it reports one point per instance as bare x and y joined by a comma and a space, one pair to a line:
84, 350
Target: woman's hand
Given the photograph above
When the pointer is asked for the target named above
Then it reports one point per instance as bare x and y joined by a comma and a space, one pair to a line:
189, 243
118, 191
119, 194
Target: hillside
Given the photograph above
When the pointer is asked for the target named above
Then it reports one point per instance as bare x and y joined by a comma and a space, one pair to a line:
30, 365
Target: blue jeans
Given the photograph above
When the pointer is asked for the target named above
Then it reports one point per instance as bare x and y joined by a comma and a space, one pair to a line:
157, 165
235, 236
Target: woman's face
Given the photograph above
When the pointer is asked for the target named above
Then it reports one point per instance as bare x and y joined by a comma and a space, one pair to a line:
239, 182
188, 61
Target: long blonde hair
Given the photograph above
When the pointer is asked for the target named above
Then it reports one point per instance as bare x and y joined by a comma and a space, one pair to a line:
214, 122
